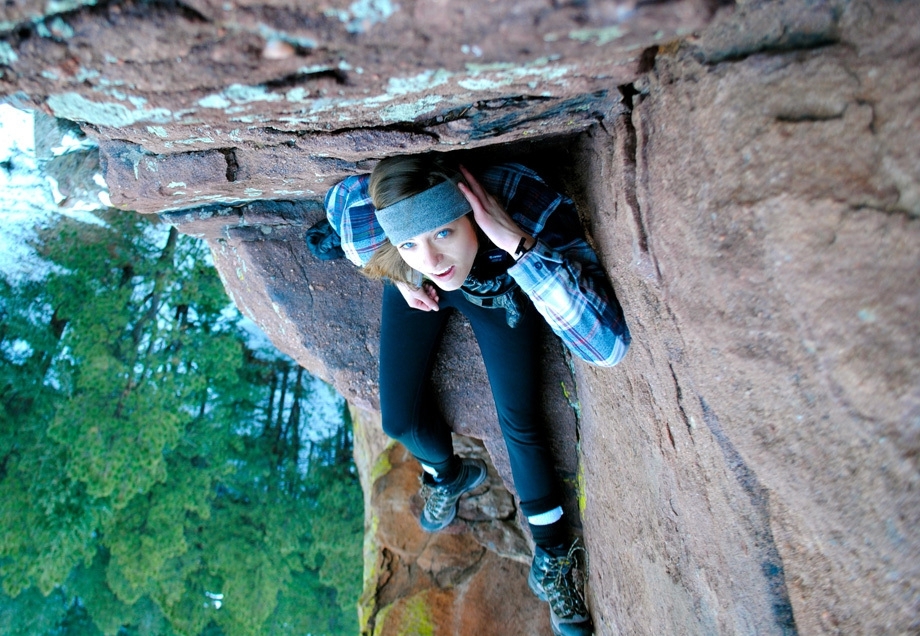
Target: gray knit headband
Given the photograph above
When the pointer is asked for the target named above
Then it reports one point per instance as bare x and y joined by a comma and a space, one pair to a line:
423, 212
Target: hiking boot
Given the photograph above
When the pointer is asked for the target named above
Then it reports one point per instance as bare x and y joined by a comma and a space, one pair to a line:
552, 580
442, 498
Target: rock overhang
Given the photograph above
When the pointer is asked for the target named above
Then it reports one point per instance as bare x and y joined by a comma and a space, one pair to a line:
295, 98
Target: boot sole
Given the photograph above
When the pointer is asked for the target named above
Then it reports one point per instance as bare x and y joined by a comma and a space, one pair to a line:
536, 588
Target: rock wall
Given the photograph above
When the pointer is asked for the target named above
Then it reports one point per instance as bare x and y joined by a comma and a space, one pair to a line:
750, 176
775, 222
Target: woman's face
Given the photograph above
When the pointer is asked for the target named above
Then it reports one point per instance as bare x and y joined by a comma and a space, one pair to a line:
444, 255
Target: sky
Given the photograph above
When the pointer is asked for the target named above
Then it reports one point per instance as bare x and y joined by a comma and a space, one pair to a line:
21, 196
29, 198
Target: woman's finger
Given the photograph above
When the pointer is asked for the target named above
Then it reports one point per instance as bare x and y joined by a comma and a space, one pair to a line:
424, 297
471, 181
487, 200
432, 293
482, 216
418, 298
472, 199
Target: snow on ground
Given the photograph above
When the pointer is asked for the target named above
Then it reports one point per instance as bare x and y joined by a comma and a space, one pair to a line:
27, 198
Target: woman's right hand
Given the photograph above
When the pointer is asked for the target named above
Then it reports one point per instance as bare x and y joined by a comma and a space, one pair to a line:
424, 298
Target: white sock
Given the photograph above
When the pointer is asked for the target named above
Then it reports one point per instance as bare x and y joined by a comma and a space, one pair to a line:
546, 518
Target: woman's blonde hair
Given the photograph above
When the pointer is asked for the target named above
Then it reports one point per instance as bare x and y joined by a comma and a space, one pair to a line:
392, 180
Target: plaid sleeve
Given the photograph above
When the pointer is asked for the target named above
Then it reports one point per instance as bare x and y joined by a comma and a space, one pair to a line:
563, 277
526, 197
351, 213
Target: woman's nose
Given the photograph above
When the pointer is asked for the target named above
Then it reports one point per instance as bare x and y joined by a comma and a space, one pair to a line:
431, 256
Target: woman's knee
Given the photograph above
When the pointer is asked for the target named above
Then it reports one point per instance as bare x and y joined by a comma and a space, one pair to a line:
397, 428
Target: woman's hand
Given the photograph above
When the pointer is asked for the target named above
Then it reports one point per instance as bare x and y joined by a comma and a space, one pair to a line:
492, 218
424, 298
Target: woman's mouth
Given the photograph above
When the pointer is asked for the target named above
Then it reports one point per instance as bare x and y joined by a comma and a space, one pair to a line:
444, 274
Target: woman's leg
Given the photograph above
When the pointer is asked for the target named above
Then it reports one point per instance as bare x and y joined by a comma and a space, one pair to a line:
408, 343
513, 361
512, 358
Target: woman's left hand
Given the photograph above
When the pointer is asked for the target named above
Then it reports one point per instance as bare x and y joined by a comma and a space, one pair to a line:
492, 218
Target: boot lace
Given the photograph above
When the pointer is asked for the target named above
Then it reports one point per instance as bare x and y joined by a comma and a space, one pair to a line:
559, 582
438, 500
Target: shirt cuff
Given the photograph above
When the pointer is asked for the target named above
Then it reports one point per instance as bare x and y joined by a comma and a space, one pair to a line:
536, 266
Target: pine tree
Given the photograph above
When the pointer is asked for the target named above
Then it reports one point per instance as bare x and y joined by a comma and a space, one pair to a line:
156, 474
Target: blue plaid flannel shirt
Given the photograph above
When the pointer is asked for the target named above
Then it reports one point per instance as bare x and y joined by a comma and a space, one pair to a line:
561, 275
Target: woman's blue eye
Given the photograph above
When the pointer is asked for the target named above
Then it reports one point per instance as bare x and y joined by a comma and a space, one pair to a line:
443, 233
407, 245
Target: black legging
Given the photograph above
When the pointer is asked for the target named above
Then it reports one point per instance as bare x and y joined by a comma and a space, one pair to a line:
408, 339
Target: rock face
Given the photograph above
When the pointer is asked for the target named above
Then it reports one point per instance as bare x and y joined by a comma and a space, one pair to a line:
749, 176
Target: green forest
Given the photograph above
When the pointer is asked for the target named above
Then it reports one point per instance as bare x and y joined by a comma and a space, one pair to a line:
159, 474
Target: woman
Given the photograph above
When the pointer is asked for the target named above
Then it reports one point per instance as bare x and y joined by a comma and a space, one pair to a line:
503, 249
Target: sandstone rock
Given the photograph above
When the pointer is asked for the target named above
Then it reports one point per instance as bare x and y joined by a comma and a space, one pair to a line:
448, 611
450, 558
300, 94
765, 234
751, 187
421, 581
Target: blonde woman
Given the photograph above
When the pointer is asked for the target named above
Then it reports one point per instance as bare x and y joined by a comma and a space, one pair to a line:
507, 252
